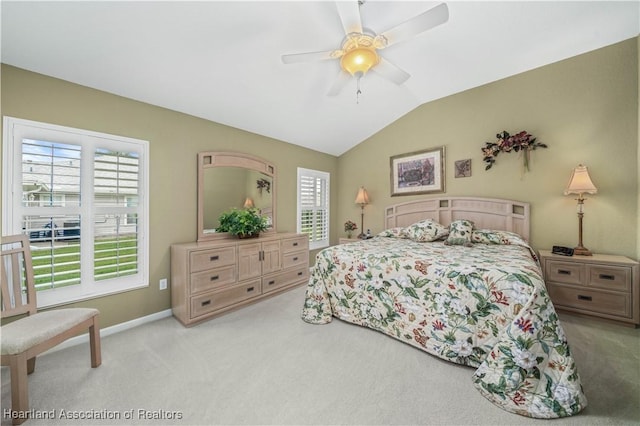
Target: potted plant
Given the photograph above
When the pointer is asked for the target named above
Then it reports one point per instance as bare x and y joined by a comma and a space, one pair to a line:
245, 223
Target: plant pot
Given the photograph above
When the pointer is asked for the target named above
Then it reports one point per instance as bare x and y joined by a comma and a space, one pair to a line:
245, 236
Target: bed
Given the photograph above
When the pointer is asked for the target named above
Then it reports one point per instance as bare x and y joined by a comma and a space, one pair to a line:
457, 278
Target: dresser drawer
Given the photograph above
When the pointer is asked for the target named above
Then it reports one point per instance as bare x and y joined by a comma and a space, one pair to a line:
214, 258
285, 278
564, 272
297, 258
610, 277
213, 278
214, 300
294, 244
591, 300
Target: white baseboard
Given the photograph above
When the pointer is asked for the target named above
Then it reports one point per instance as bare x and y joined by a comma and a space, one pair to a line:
84, 338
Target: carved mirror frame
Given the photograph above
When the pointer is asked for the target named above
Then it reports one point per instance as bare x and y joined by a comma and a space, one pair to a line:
211, 159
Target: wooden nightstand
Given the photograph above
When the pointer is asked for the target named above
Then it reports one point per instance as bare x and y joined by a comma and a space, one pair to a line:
348, 240
601, 285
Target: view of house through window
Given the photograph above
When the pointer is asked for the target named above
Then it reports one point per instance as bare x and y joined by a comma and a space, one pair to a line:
313, 206
78, 199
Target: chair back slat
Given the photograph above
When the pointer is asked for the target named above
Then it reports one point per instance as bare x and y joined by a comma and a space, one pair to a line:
17, 280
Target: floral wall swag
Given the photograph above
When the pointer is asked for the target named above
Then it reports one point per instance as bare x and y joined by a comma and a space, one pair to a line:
521, 142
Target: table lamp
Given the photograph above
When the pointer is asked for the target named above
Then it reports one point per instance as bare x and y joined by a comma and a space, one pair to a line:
580, 183
362, 199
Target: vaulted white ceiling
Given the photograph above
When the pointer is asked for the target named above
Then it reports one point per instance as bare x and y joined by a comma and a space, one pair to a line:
221, 60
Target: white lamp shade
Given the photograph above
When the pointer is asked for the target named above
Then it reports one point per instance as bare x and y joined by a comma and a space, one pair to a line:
362, 198
580, 182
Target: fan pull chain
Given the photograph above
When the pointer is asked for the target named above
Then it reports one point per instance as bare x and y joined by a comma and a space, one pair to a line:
358, 92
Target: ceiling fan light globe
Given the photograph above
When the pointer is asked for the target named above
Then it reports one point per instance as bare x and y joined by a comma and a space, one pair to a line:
359, 60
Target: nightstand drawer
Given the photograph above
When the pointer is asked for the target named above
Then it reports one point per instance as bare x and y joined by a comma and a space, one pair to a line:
564, 272
610, 277
591, 300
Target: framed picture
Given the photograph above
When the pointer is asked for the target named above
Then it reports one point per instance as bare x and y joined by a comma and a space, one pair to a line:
463, 168
420, 172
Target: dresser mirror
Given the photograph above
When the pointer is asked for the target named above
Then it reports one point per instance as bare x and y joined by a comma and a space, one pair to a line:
231, 179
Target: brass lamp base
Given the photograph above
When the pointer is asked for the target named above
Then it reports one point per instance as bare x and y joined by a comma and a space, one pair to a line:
581, 251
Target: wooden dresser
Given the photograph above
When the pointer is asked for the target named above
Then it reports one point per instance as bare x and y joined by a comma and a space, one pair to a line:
214, 277
604, 286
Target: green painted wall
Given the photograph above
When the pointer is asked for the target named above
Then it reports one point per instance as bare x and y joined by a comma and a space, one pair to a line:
584, 108
175, 139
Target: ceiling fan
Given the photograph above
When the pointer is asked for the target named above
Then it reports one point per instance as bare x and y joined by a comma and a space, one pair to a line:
359, 50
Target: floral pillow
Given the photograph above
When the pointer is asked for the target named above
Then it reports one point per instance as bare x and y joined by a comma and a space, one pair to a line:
460, 232
393, 233
490, 236
425, 231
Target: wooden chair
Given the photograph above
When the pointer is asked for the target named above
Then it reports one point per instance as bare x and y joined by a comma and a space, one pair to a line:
34, 333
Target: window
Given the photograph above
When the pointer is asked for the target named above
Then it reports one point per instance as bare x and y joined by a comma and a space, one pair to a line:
81, 197
313, 206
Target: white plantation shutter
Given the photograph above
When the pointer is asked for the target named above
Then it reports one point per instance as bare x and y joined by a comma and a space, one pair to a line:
116, 188
50, 211
81, 198
313, 206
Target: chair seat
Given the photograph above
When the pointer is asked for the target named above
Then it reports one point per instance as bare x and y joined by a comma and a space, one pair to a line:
27, 332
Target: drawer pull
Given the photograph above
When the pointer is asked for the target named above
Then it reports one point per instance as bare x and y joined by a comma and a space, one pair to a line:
564, 272
299, 273
295, 244
250, 289
212, 258
206, 302
606, 277
295, 258
215, 277
587, 298
271, 282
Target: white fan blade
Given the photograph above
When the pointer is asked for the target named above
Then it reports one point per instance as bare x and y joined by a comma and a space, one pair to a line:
391, 72
416, 25
310, 56
349, 12
338, 84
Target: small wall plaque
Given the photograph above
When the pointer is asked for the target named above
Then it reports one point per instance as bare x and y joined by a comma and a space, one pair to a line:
463, 168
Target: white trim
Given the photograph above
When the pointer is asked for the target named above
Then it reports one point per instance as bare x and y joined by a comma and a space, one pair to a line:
123, 326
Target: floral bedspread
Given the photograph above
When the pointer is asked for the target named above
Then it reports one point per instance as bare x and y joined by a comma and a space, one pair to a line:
484, 306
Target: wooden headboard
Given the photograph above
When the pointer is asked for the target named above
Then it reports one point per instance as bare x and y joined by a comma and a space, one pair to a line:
486, 213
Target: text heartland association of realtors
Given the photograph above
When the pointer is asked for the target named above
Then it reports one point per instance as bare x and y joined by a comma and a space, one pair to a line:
139, 414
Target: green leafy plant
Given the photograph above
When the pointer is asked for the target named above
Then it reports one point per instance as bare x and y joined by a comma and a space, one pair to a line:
243, 223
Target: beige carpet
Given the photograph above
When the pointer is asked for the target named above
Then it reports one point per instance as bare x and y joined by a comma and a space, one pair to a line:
264, 365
